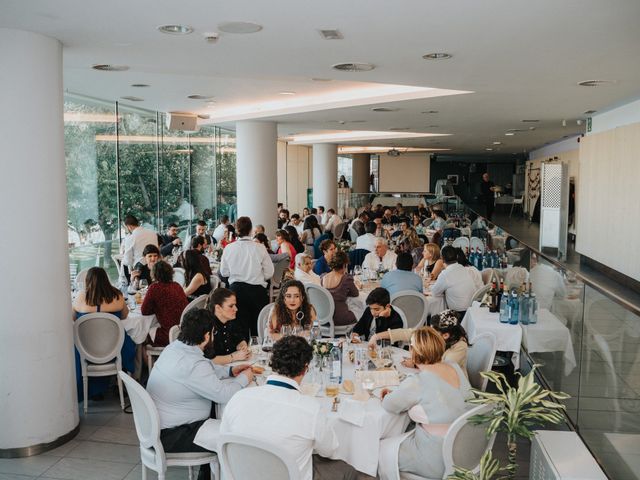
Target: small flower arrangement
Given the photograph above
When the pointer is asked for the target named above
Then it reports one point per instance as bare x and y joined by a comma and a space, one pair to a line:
322, 349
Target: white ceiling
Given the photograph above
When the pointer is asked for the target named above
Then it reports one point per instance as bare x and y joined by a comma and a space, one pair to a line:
521, 59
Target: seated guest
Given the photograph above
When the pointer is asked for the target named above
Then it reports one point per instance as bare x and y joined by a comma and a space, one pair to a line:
416, 220
416, 253
262, 239
133, 244
296, 222
454, 282
142, 269
388, 218
283, 218
359, 222
291, 308
305, 213
259, 229
379, 317
323, 217
318, 213
341, 286
166, 300
409, 234
201, 231
399, 210
199, 245
380, 230
196, 280
473, 272
317, 251
333, 220
328, 248
402, 278
433, 398
304, 270
368, 240
170, 240
228, 343
219, 231
294, 238
439, 220
183, 384
229, 236
280, 414
380, 260
431, 264
478, 222
285, 246
310, 232
100, 296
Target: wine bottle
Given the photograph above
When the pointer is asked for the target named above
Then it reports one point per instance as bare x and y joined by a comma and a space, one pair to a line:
494, 306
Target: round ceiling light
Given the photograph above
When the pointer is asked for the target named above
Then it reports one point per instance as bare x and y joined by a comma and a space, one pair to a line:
176, 29
489, 149
353, 67
131, 98
106, 67
596, 83
140, 85
497, 143
437, 56
197, 96
509, 134
239, 27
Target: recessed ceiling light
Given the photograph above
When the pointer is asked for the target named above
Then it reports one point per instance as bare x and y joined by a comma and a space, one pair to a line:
430, 111
176, 29
353, 67
315, 79
532, 128
131, 98
384, 109
331, 34
140, 85
197, 96
239, 27
106, 67
596, 83
437, 56
590, 112
510, 134
497, 143
286, 93
530, 121
489, 149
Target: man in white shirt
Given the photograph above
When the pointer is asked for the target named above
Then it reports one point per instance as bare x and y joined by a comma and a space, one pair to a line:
248, 268
368, 240
454, 282
134, 244
218, 232
333, 220
183, 384
381, 259
297, 223
323, 216
278, 413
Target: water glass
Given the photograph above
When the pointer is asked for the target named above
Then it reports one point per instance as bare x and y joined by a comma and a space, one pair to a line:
143, 284
286, 330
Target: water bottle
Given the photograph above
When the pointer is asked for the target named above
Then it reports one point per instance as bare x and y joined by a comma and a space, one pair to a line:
472, 258
495, 263
533, 309
524, 308
515, 308
504, 306
335, 375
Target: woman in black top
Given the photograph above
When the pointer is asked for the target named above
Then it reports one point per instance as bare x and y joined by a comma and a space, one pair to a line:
295, 238
196, 280
379, 317
228, 341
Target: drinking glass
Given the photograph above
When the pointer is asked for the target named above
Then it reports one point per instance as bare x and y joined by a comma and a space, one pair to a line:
254, 346
386, 360
267, 344
368, 383
286, 330
316, 333
143, 284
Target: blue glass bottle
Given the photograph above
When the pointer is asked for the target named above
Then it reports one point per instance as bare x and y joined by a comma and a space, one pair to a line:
533, 309
515, 308
504, 306
524, 308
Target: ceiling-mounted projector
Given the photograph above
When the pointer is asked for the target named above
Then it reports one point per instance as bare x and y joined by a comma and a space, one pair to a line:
182, 121
393, 153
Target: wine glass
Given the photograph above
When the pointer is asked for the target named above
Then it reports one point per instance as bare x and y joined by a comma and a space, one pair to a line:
286, 330
143, 284
316, 333
368, 383
385, 358
254, 345
267, 344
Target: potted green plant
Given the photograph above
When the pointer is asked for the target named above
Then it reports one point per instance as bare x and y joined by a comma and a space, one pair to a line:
516, 412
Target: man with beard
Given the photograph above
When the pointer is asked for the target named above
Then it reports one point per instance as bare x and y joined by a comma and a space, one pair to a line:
183, 384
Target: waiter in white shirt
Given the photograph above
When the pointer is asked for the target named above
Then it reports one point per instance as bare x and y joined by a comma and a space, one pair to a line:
248, 267
183, 384
134, 244
333, 220
382, 259
278, 413
218, 232
454, 283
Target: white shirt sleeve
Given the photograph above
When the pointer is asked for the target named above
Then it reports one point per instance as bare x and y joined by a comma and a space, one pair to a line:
204, 381
127, 257
224, 266
440, 286
267, 264
325, 440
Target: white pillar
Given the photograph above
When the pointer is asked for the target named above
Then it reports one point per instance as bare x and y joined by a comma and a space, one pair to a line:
257, 166
360, 172
38, 402
325, 175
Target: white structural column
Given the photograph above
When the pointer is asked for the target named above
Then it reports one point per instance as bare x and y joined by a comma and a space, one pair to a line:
257, 165
38, 402
360, 172
325, 175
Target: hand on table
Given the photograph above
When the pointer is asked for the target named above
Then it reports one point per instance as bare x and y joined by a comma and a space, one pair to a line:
355, 338
384, 393
408, 363
244, 369
241, 354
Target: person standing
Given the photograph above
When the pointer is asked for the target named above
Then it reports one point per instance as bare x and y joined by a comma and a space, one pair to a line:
248, 267
487, 188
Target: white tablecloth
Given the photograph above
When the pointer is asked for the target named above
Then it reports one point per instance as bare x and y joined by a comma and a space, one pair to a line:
549, 335
138, 326
478, 320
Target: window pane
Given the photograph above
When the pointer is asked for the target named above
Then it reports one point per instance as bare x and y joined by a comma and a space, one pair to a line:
226, 173
203, 174
175, 191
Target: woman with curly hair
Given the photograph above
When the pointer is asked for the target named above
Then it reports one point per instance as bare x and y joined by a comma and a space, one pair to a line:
292, 308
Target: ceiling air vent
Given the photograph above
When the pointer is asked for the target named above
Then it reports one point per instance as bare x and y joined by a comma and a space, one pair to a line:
331, 34
384, 109
353, 67
596, 83
105, 67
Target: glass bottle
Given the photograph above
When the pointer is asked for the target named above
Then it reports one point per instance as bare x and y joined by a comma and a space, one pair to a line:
533, 309
515, 308
504, 306
335, 364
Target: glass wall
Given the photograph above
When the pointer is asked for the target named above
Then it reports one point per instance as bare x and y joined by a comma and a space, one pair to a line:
123, 160
345, 167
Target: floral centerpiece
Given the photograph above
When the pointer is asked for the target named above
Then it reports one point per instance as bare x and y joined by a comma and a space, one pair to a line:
321, 351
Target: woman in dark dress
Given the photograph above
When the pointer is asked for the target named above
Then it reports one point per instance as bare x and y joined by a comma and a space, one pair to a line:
229, 344
195, 278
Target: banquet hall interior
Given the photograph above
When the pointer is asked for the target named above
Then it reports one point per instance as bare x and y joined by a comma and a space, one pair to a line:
508, 131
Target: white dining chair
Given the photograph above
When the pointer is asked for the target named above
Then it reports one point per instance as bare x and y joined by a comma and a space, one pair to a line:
476, 245
339, 231
324, 305
199, 302
414, 305
152, 454
263, 319
81, 277
463, 243
353, 235
99, 338
517, 202
480, 293
480, 357
179, 276
174, 333
268, 460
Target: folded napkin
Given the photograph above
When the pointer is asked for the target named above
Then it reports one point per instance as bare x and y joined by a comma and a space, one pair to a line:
208, 435
352, 411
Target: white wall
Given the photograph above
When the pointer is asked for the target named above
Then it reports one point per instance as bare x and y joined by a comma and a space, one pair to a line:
407, 173
609, 198
617, 117
295, 166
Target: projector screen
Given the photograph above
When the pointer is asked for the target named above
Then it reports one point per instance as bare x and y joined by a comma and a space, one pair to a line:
407, 173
